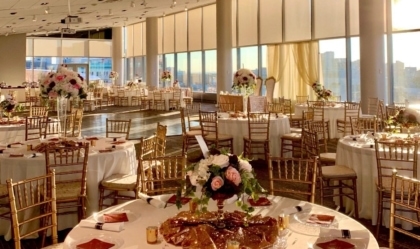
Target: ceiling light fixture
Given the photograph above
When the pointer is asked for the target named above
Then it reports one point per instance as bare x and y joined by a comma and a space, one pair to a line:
164, 14
110, 11
174, 2
186, 8
47, 10
34, 18
133, 5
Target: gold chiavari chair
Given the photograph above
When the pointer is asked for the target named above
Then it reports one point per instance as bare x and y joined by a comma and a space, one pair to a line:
74, 122
38, 111
175, 102
135, 100
351, 109
373, 105
121, 99
193, 117
156, 175
363, 124
51, 127
276, 108
258, 134
118, 128
294, 120
226, 107
188, 136
318, 109
70, 164
334, 180
97, 95
405, 193
301, 99
34, 193
210, 131
285, 173
188, 97
318, 127
188, 102
389, 156
33, 127
160, 147
158, 101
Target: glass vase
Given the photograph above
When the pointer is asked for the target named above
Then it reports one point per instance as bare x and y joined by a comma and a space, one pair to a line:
62, 114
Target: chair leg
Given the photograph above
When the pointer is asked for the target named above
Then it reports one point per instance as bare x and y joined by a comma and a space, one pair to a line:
379, 219
101, 198
321, 188
340, 191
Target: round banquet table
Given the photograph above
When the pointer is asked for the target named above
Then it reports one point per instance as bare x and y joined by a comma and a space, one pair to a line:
360, 155
330, 113
142, 215
167, 95
100, 165
238, 128
11, 133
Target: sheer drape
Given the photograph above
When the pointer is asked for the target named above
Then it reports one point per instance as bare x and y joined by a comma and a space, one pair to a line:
295, 66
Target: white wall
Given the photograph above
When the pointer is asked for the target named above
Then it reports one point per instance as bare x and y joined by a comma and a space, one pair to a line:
13, 59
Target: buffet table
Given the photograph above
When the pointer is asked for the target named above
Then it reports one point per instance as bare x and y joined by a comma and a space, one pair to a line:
238, 128
142, 215
100, 165
360, 156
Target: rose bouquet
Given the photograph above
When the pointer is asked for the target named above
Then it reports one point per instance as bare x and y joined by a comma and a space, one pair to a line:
321, 92
244, 79
113, 75
406, 118
166, 75
63, 83
223, 176
10, 104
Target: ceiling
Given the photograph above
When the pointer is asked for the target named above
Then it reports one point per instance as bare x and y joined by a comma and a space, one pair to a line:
30, 17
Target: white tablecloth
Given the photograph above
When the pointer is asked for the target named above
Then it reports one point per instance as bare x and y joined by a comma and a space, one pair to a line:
330, 113
144, 215
12, 133
354, 155
167, 96
100, 165
238, 128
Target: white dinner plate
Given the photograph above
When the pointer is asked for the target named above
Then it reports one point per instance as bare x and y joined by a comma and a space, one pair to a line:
358, 243
114, 239
98, 217
298, 223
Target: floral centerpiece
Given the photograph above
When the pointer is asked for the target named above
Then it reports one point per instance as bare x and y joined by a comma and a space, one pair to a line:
321, 92
113, 75
406, 118
166, 75
222, 176
9, 105
244, 80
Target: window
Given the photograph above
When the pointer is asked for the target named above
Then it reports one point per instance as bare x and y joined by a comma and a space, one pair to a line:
129, 62
333, 66
196, 71
249, 59
101, 67
355, 69
44, 65
75, 60
263, 73
169, 66
139, 68
29, 77
182, 69
210, 77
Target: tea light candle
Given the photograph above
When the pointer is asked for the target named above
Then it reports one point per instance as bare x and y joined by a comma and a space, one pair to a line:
283, 221
152, 234
93, 142
232, 244
29, 147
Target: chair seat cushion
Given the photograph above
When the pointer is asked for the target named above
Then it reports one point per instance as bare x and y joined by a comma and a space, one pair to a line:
69, 190
337, 171
212, 137
328, 156
192, 133
292, 136
120, 181
295, 130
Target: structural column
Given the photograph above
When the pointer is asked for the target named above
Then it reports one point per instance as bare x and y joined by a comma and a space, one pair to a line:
372, 51
224, 45
152, 56
118, 53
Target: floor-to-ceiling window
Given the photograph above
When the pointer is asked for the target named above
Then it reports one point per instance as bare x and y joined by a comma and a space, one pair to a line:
210, 77
182, 69
196, 71
169, 66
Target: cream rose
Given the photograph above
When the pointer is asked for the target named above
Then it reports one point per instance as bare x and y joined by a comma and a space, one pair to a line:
216, 183
245, 165
220, 160
233, 175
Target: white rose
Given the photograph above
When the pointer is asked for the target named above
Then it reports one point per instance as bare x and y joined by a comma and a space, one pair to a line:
221, 161
193, 180
245, 165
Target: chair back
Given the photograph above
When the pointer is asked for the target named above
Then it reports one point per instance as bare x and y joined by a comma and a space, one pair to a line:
294, 177
157, 95
38, 111
160, 175
51, 127
177, 94
404, 196
351, 109
121, 93
287, 106
276, 108
33, 127
373, 105
258, 86
208, 123
192, 113
226, 107
34, 193
147, 147
118, 128
74, 122
310, 144
361, 125
270, 83
259, 126
301, 99
318, 127
257, 104
392, 155
160, 147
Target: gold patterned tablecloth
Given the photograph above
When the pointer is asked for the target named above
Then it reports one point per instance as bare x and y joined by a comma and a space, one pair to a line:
238, 100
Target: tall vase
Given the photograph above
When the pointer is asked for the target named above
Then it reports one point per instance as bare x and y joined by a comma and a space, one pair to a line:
244, 99
113, 81
62, 114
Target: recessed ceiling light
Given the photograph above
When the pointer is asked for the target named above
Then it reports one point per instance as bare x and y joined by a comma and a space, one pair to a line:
34, 18
110, 11
13, 13
82, 8
45, 3
21, 18
123, 10
47, 10
133, 4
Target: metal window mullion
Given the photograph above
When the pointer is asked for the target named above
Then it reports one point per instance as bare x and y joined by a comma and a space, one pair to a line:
349, 80
389, 50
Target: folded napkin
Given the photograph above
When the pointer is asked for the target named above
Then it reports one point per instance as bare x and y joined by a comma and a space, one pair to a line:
335, 244
16, 155
342, 233
115, 227
32, 155
300, 208
321, 219
118, 142
262, 201
184, 200
115, 217
152, 201
95, 243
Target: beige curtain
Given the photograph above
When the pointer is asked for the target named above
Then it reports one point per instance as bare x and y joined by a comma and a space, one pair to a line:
295, 66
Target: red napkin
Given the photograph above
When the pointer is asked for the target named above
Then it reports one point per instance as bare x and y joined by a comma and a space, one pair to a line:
92, 138
184, 200
339, 244
262, 201
322, 219
118, 142
104, 151
115, 217
95, 243
16, 155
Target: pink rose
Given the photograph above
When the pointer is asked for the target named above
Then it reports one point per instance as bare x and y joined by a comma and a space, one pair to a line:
233, 175
216, 183
52, 94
